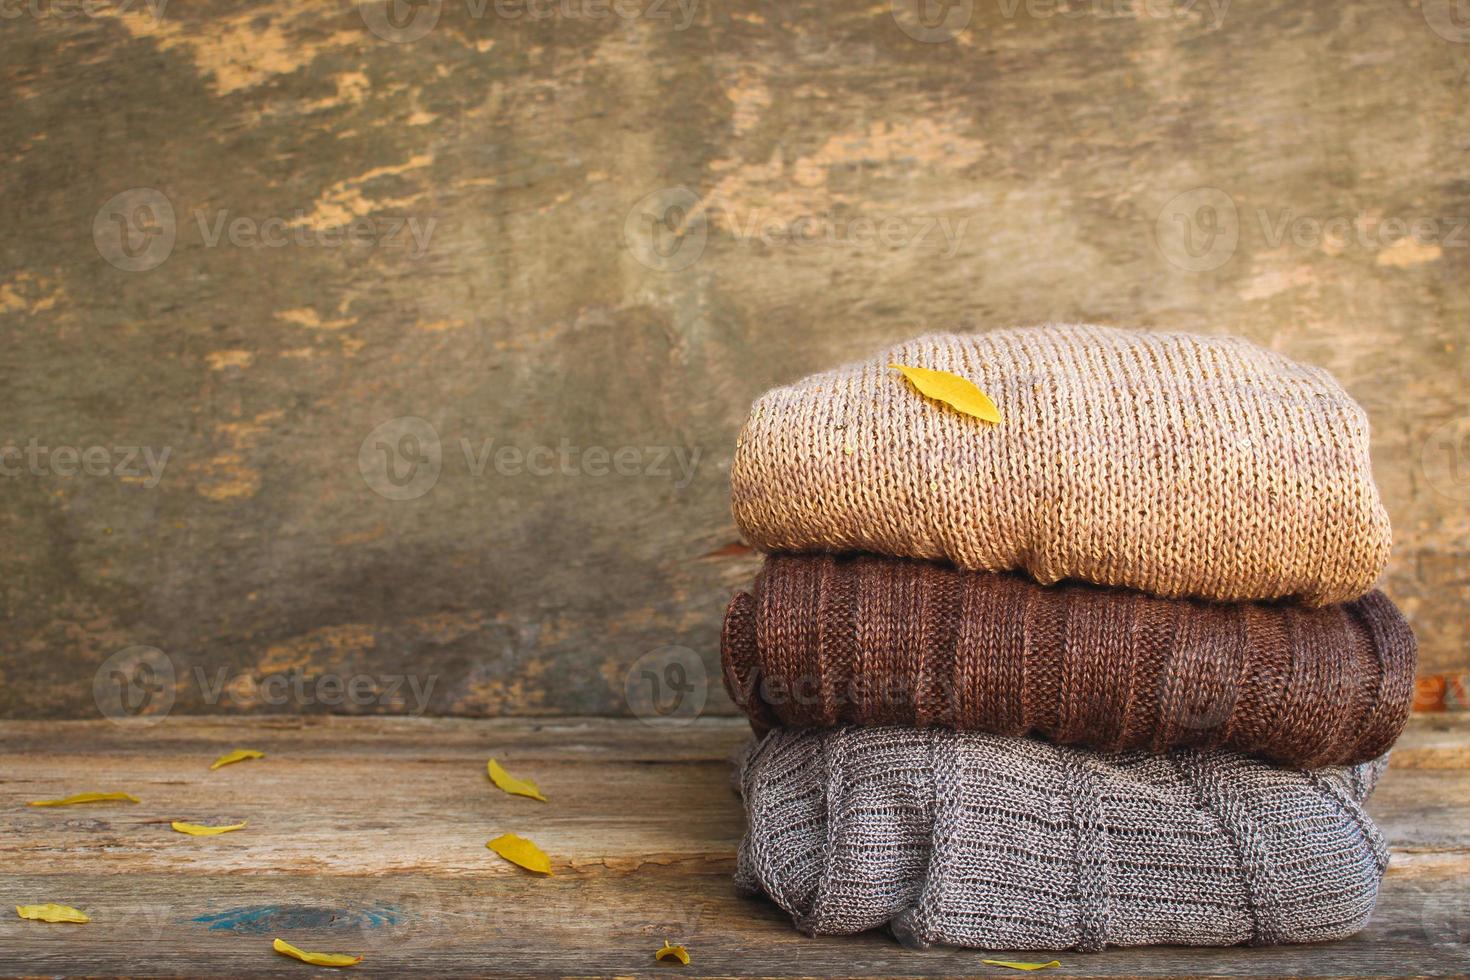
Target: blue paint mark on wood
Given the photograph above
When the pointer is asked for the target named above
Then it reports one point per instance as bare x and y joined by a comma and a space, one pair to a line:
256, 920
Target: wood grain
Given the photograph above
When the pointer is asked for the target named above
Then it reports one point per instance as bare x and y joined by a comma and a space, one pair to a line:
367, 836
851, 185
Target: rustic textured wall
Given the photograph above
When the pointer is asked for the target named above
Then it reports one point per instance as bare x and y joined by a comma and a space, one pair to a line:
332, 259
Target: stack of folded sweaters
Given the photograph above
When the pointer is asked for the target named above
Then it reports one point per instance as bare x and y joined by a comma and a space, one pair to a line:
1107, 672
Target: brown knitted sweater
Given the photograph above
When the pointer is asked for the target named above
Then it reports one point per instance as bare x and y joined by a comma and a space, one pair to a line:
873, 640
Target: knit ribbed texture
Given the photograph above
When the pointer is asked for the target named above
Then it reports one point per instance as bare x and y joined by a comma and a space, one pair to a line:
874, 641
1175, 464
983, 840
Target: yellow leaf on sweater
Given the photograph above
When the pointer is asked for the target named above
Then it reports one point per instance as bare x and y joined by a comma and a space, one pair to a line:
953, 390
509, 783
87, 798
1012, 964
239, 755
51, 912
200, 830
315, 959
677, 952
518, 850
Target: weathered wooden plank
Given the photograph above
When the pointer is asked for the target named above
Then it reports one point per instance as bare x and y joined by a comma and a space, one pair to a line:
605, 926
367, 835
850, 185
563, 739
1428, 741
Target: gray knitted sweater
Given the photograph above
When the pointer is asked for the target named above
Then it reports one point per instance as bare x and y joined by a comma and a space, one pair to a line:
981, 840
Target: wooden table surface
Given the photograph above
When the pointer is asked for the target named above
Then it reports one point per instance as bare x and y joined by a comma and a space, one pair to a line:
367, 835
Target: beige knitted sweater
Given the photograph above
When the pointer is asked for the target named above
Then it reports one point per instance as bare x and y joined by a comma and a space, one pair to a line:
1171, 463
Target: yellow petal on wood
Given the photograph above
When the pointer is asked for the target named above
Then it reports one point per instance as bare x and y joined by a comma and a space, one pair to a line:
50, 912
512, 785
87, 798
676, 952
953, 390
518, 850
315, 959
200, 830
239, 755
1012, 964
